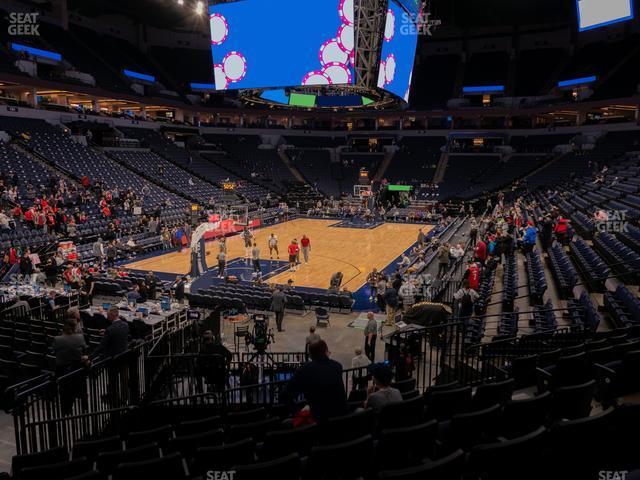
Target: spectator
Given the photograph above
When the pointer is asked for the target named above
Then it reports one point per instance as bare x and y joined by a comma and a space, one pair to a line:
443, 259
179, 290
529, 238
407, 293
313, 337
69, 348
391, 302
381, 393
370, 337
466, 298
360, 360
278, 303
116, 336
320, 381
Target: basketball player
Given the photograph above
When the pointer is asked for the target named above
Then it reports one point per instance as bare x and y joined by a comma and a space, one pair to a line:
273, 246
222, 245
306, 247
255, 257
294, 250
222, 263
248, 243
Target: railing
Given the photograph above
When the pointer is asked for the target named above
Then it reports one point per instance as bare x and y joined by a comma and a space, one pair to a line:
116, 382
437, 352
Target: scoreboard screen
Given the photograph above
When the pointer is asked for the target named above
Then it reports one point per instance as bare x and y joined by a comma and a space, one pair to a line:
282, 43
398, 51
228, 186
598, 13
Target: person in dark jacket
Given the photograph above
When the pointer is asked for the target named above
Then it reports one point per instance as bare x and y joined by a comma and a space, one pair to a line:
278, 305
179, 289
116, 336
546, 232
320, 381
114, 342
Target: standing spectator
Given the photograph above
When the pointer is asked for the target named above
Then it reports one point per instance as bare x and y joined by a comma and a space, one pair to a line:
112, 253
26, 266
69, 347
98, 252
473, 232
179, 290
360, 360
380, 289
421, 237
407, 293
481, 251
370, 337
320, 381
116, 336
313, 337
561, 229
466, 298
443, 259
529, 238
278, 303
546, 232
372, 279
391, 301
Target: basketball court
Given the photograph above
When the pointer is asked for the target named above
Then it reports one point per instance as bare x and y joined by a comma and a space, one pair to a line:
352, 251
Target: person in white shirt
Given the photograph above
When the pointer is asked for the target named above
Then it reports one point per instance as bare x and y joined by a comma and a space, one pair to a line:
408, 292
404, 262
4, 221
456, 252
273, 246
360, 360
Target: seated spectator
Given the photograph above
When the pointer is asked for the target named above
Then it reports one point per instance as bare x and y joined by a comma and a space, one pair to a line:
381, 393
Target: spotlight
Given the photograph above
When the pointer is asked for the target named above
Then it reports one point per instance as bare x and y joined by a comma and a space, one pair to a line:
199, 8
180, 2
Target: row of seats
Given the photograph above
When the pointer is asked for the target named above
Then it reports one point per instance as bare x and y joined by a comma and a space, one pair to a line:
563, 271
537, 280
623, 306
544, 318
510, 285
594, 269
583, 313
622, 259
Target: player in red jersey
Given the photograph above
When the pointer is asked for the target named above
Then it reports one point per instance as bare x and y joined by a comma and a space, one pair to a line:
294, 250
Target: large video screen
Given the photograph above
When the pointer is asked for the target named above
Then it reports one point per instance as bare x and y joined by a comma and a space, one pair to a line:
597, 13
398, 51
282, 43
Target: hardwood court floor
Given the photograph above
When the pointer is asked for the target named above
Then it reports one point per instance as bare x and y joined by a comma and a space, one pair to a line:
353, 251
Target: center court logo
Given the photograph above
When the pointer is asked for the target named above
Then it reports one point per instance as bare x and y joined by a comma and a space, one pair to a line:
24, 24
